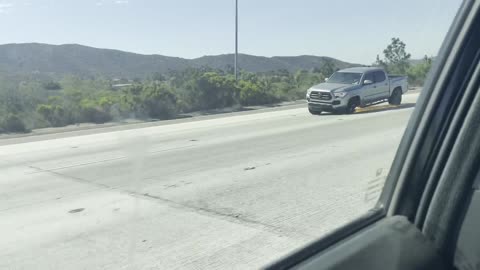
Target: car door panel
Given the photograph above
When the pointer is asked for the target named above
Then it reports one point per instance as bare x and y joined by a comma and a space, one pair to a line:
369, 90
383, 88
467, 247
376, 89
392, 243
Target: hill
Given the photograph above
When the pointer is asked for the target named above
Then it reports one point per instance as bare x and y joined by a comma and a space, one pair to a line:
76, 59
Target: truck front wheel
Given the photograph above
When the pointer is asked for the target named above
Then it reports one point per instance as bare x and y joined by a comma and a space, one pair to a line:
396, 98
314, 112
352, 105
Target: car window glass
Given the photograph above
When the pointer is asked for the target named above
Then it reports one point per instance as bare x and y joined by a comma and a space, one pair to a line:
369, 77
112, 129
379, 77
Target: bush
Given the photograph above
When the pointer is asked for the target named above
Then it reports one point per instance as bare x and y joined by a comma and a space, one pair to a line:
78, 100
52, 85
93, 113
418, 73
213, 91
13, 123
56, 115
159, 102
254, 94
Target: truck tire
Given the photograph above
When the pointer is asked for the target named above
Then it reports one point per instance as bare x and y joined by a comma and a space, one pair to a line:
314, 112
396, 98
353, 103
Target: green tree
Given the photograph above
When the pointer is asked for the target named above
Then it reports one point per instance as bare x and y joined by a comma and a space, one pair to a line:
396, 59
328, 68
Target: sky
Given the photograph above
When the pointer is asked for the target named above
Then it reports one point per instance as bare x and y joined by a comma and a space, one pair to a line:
350, 30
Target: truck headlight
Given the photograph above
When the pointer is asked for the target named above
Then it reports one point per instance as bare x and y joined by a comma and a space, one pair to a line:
308, 93
340, 94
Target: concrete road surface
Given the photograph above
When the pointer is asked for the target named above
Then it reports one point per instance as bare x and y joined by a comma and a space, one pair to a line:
230, 192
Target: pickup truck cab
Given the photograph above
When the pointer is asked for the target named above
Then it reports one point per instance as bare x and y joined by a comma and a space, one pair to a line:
350, 88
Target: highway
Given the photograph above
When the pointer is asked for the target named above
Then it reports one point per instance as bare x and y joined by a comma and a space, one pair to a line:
233, 191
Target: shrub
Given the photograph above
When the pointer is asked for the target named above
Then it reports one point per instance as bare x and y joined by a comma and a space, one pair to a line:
91, 111
51, 85
159, 102
13, 123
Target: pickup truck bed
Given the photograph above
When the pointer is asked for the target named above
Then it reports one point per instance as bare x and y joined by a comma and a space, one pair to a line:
398, 81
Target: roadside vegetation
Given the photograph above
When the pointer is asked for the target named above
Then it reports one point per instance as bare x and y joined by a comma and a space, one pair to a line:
396, 60
40, 100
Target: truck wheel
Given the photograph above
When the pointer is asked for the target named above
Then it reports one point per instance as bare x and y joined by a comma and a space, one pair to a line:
352, 105
314, 112
396, 98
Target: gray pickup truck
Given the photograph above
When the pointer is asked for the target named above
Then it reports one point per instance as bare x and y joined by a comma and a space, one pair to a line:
350, 88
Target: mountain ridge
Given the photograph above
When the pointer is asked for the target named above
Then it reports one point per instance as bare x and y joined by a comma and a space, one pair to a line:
25, 58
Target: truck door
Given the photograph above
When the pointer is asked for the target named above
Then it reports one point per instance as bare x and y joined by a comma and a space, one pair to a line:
382, 85
369, 90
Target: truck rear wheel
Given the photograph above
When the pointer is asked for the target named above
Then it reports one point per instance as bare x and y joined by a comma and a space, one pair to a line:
396, 98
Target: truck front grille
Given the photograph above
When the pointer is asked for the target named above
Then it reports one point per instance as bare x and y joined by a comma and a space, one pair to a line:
320, 95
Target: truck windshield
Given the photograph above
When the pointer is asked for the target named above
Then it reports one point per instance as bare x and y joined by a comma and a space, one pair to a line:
345, 78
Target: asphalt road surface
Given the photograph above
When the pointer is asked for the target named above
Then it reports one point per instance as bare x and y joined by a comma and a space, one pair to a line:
229, 192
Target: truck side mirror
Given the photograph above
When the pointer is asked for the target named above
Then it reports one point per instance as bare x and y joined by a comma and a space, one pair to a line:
367, 82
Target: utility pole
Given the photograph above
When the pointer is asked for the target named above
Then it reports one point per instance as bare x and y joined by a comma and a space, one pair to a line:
236, 40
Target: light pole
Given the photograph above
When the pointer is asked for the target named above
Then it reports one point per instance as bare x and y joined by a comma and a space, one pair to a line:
236, 40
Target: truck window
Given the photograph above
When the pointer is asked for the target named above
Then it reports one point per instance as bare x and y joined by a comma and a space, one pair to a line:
345, 78
369, 76
380, 76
